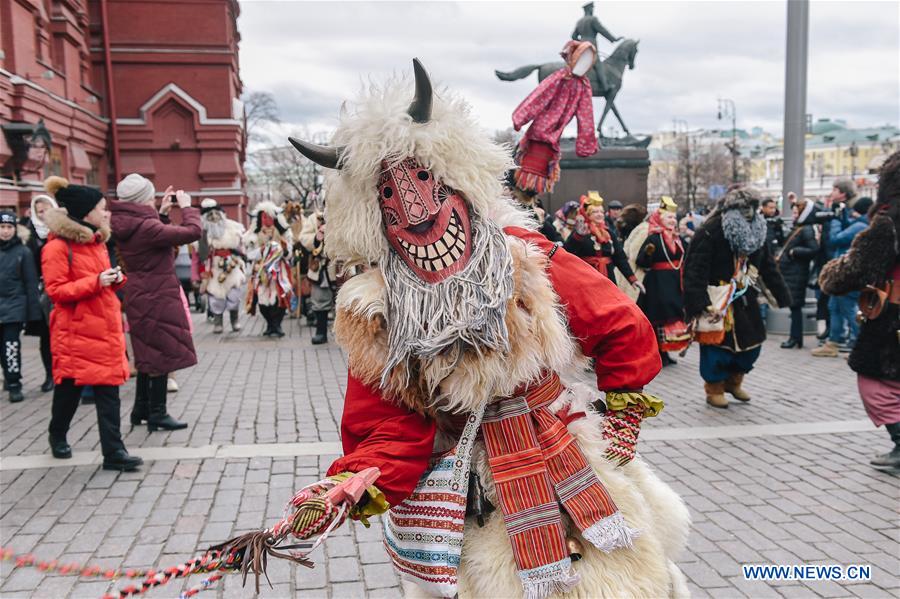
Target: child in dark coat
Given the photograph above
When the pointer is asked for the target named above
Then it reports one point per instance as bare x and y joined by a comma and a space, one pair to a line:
19, 302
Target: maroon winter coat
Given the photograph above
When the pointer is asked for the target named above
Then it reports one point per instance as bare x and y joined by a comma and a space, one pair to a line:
160, 332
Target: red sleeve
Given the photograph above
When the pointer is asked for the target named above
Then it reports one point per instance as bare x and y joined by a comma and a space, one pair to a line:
390, 437
609, 326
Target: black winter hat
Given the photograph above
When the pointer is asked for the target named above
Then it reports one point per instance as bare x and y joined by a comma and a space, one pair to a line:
78, 200
862, 205
8, 217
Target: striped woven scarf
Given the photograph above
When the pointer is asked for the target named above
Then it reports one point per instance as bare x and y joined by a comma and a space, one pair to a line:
537, 465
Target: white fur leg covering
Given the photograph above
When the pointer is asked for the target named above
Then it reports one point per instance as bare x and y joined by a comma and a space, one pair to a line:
611, 533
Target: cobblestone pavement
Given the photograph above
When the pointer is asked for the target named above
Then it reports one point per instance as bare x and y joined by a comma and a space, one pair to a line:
761, 487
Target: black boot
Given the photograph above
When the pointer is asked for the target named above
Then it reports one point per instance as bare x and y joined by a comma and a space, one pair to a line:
266, 313
121, 460
59, 447
667, 360
791, 343
890, 459
48, 384
277, 313
321, 335
159, 418
141, 410
15, 395
235, 324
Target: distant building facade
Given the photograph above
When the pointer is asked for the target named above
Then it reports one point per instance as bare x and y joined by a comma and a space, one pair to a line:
170, 111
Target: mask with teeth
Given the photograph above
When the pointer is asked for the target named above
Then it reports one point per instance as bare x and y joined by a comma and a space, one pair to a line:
426, 222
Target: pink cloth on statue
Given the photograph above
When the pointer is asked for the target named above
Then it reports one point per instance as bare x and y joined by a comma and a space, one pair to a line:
552, 105
881, 398
187, 310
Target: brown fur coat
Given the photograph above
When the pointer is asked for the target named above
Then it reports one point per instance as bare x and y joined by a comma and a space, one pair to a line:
869, 260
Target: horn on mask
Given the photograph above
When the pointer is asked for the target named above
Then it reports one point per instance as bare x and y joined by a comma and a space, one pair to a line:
327, 156
420, 108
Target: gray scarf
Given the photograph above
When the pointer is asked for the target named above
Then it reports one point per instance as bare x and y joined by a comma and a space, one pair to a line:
465, 311
743, 237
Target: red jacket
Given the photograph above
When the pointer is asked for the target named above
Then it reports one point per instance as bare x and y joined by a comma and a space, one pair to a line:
608, 326
86, 320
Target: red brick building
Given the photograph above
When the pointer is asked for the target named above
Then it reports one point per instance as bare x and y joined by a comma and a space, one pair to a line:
170, 111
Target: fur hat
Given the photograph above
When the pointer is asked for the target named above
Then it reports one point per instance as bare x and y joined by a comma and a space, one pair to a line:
135, 188
378, 127
78, 200
208, 204
268, 211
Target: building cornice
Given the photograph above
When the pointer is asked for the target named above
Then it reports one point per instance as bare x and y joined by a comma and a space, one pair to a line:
18, 80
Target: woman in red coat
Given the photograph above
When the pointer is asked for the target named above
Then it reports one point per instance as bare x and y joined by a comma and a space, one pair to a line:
157, 320
86, 322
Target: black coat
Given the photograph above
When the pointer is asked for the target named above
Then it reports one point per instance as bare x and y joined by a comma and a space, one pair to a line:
663, 302
796, 257
774, 234
584, 247
870, 260
18, 283
710, 261
549, 231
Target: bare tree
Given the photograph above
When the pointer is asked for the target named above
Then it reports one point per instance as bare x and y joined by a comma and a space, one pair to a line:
260, 108
281, 173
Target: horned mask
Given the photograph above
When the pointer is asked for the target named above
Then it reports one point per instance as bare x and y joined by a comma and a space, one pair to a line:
424, 219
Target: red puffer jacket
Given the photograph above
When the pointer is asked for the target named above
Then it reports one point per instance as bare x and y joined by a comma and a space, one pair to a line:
86, 321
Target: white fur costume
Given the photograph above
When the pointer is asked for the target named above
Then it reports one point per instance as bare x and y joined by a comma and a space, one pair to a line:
457, 152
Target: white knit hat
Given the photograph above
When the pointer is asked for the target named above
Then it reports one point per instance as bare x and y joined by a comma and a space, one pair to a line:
135, 188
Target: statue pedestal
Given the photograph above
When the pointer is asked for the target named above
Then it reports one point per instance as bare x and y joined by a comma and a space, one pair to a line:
618, 173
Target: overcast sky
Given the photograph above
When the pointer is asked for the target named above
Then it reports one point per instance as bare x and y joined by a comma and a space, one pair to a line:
312, 55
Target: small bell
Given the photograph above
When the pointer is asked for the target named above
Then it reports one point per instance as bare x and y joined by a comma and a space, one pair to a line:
574, 547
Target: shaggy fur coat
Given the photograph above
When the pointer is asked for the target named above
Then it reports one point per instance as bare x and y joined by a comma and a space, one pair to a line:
872, 255
710, 261
539, 339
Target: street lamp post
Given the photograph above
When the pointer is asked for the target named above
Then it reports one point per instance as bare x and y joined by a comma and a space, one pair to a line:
854, 152
727, 109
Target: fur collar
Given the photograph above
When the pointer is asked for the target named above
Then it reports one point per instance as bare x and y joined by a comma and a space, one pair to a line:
59, 223
538, 340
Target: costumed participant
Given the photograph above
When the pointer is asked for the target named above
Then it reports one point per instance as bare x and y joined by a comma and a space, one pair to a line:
293, 215
458, 336
872, 266
660, 258
728, 255
596, 244
269, 245
564, 95
321, 274
565, 219
223, 274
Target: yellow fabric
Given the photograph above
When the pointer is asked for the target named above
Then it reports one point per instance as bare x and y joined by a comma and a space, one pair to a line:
377, 503
619, 400
594, 198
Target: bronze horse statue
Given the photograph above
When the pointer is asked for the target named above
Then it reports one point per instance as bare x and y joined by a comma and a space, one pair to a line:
613, 68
